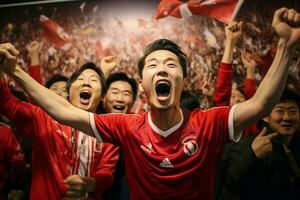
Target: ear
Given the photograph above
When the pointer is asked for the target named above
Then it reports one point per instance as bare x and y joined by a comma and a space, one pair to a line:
141, 88
266, 119
186, 83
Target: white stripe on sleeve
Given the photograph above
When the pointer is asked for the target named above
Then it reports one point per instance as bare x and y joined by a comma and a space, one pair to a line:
93, 126
232, 135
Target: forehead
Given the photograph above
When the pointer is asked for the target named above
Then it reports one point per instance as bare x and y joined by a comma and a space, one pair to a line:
89, 72
236, 92
287, 104
120, 85
161, 55
59, 84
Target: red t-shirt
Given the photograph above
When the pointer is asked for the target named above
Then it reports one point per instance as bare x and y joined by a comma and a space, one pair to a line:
54, 155
10, 153
179, 163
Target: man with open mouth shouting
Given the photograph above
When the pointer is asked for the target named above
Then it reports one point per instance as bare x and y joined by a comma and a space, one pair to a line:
66, 162
171, 154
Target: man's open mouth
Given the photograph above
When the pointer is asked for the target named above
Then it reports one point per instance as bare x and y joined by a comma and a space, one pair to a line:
163, 89
119, 107
85, 96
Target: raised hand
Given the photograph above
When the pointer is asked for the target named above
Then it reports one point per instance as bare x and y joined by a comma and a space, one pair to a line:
8, 57
108, 64
33, 47
286, 23
262, 145
234, 31
249, 63
208, 85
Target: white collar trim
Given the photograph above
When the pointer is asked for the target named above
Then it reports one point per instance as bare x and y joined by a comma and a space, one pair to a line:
167, 132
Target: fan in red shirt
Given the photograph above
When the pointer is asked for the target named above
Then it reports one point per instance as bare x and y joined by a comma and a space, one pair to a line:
170, 154
60, 151
10, 156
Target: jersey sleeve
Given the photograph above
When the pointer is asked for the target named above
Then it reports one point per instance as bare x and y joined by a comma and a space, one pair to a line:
26, 117
224, 85
105, 169
35, 72
249, 88
110, 128
216, 125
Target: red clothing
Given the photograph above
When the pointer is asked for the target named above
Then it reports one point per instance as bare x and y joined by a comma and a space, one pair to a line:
223, 91
249, 88
10, 154
54, 155
179, 163
35, 72
224, 85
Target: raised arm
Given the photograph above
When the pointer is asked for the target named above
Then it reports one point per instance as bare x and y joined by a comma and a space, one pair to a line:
287, 25
249, 83
34, 69
55, 105
224, 81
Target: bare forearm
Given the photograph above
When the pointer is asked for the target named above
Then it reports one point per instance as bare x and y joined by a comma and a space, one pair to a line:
34, 59
268, 93
228, 51
49, 101
270, 89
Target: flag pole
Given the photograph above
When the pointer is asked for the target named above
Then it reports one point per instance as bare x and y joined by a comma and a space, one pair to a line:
236, 10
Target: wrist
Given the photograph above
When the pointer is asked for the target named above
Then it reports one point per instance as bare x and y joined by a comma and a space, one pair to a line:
34, 59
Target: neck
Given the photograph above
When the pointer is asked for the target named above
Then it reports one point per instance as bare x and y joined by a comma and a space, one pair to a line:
166, 119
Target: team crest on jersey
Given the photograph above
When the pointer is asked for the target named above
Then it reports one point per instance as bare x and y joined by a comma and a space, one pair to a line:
189, 145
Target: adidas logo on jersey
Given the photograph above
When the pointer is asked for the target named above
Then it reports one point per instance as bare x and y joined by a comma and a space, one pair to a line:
166, 163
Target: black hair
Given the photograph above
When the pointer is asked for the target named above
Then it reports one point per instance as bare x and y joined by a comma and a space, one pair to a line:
92, 66
120, 76
164, 44
290, 94
54, 79
189, 100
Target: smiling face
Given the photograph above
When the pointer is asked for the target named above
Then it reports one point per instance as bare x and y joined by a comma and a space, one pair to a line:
119, 98
163, 79
85, 91
284, 118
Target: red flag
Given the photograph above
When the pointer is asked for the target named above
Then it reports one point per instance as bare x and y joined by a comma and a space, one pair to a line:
222, 10
55, 34
168, 7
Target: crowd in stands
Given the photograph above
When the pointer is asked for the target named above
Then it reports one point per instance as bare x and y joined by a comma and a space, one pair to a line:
214, 80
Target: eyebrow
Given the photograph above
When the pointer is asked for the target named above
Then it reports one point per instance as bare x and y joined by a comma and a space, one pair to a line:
93, 75
114, 88
281, 107
166, 60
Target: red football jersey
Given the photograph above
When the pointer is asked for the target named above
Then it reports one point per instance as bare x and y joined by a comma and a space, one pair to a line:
56, 154
179, 163
10, 153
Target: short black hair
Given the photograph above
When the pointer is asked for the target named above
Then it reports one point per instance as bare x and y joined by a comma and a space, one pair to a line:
120, 76
189, 100
54, 79
290, 94
92, 66
164, 44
